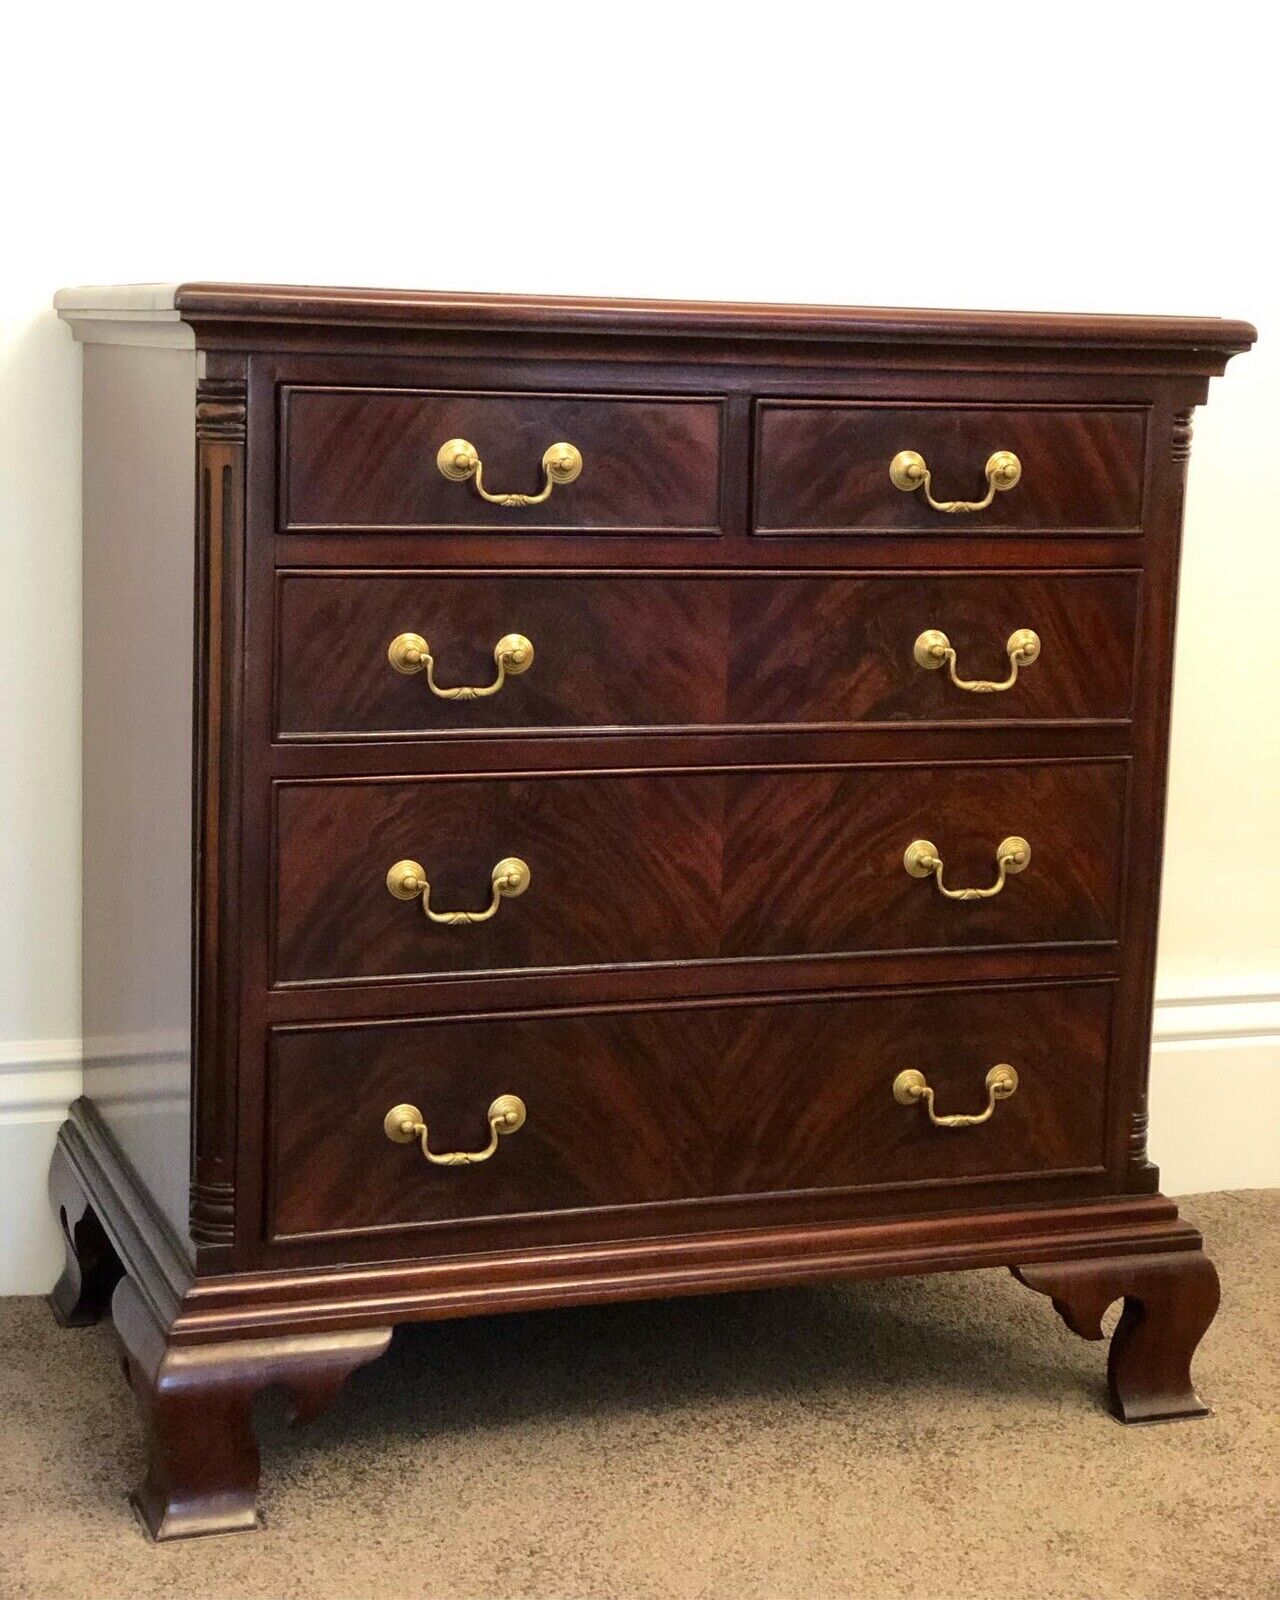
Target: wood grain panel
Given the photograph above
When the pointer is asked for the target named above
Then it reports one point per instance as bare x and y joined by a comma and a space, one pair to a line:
687, 867
367, 458
677, 1104
824, 468
620, 652
813, 862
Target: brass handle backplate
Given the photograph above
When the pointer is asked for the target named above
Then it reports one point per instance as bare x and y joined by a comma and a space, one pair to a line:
409, 653
403, 1124
933, 650
910, 1088
459, 460
407, 880
921, 859
909, 472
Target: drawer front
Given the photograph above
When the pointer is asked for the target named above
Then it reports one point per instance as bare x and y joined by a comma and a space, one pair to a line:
824, 468
367, 458
639, 1107
696, 652
678, 867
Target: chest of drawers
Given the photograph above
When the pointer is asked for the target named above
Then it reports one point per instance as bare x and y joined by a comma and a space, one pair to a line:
638, 834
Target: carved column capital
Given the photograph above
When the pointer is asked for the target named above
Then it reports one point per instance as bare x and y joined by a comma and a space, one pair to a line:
222, 409
1180, 444
213, 1211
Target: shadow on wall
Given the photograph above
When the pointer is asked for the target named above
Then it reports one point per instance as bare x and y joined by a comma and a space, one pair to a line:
40, 654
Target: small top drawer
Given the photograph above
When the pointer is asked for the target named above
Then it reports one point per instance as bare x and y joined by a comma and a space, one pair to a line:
355, 458
825, 467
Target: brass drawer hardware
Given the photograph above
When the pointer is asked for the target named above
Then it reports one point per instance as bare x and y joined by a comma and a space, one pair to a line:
458, 460
933, 650
407, 880
909, 473
410, 653
922, 860
910, 1088
404, 1124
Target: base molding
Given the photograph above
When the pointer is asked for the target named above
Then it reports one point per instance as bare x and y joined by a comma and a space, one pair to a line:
711, 1263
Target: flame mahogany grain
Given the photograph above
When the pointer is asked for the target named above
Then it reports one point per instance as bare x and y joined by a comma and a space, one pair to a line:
717, 1101
691, 867
642, 652
367, 458
826, 467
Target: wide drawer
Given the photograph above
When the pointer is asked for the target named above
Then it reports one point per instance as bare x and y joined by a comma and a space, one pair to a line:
694, 652
355, 458
687, 866
644, 1106
825, 468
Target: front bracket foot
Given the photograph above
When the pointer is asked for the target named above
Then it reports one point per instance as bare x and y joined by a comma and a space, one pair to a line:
1169, 1301
197, 1404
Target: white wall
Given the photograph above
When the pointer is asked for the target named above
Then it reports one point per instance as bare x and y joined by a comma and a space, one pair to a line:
1089, 157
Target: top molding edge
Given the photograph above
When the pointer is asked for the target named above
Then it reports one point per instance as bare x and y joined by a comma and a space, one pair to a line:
175, 313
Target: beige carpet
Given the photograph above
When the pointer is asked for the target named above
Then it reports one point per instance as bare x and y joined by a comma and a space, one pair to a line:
932, 1438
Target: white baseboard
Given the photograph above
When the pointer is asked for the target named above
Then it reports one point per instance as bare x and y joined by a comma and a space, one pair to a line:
39, 1078
1215, 1116
1215, 1091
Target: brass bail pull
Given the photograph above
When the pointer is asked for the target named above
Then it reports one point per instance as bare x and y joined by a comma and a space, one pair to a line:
909, 472
933, 650
509, 878
459, 460
403, 1124
921, 859
911, 1089
409, 653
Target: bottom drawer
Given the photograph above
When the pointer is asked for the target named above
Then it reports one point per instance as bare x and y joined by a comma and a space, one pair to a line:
682, 1102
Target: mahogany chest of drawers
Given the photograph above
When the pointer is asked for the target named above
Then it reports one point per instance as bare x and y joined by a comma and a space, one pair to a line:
639, 834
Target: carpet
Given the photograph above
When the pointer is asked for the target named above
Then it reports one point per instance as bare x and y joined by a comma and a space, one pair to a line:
939, 1438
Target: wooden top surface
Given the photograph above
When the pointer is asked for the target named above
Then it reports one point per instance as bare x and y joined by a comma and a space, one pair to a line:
295, 305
